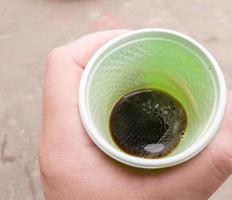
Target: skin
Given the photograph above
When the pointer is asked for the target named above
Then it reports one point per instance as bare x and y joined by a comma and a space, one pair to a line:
72, 167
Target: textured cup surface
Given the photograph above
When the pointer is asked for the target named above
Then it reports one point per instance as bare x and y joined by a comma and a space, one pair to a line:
153, 59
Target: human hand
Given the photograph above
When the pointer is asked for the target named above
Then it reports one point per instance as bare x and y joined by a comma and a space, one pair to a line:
72, 167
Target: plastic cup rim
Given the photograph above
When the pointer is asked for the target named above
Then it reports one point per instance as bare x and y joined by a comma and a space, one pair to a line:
143, 162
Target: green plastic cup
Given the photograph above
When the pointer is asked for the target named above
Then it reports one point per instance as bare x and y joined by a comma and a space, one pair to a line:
154, 59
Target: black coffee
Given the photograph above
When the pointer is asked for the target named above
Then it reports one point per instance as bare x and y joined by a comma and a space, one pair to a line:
148, 123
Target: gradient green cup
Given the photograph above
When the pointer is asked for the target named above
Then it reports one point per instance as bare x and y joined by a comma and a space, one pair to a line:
155, 59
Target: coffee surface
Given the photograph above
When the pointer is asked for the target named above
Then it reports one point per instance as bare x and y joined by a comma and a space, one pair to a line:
147, 123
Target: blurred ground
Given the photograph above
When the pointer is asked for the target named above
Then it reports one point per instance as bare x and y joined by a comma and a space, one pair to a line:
29, 29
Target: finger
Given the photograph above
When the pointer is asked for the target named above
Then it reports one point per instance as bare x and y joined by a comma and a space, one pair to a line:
61, 83
63, 74
90, 43
221, 145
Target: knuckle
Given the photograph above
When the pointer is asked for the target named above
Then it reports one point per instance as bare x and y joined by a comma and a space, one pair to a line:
43, 160
52, 161
222, 161
46, 162
56, 55
48, 168
228, 157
